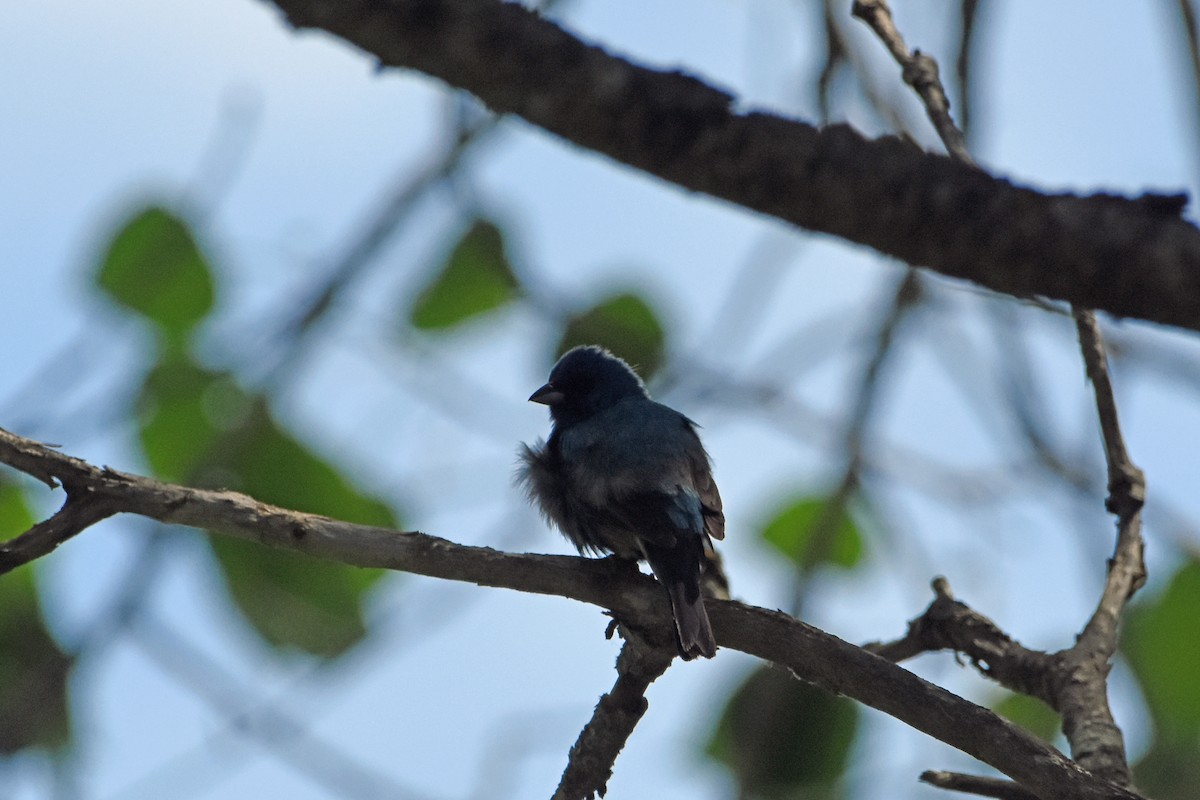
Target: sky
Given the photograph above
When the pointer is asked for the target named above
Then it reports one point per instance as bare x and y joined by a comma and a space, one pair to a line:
281, 144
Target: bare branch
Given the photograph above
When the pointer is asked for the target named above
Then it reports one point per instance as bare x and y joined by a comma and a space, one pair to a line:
590, 763
976, 784
1079, 675
1096, 741
79, 512
1135, 258
920, 72
813, 655
949, 624
1126, 483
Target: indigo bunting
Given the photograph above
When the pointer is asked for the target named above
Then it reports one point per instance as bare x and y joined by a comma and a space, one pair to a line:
623, 474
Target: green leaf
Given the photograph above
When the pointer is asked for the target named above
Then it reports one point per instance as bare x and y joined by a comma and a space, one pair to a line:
624, 324
801, 530
184, 409
200, 428
155, 267
1030, 713
33, 668
1160, 640
783, 738
15, 516
293, 600
1170, 770
475, 278
260, 458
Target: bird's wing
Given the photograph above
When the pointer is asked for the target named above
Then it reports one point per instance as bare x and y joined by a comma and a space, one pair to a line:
657, 517
641, 465
706, 488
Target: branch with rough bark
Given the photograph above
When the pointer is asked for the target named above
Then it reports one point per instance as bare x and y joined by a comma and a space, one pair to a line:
1131, 257
811, 654
590, 762
1073, 681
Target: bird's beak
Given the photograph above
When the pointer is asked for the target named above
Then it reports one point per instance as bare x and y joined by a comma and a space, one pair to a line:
547, 395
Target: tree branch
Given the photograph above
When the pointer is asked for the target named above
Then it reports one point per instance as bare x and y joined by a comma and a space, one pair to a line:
949, 624
812, 654
589, 765
920, 71
1132, 257
975, 784
79, 512
1088, 722
1073, 681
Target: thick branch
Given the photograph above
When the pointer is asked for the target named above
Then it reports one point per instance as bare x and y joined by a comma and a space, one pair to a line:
1134, 258
812, 654
590, 763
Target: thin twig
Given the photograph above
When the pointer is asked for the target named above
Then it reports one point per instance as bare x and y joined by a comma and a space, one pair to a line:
1187, 14
977, 784
920, 71
840, 55
950, 624
1096, 740
1126, 483
963, 64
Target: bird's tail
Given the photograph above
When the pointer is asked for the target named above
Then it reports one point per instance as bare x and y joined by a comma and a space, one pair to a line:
691, 621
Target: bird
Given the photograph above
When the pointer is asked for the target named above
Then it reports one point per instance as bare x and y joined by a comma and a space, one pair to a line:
621, 474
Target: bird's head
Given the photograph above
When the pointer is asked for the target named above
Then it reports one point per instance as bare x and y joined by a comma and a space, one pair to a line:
586, 381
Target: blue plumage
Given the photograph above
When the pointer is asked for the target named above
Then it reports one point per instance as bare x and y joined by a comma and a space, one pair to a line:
623, 474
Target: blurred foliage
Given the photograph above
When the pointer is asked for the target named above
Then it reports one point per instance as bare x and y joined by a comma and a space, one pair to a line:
476, 277
177, 422
1170, 770
1030, 713
783, 739
1162, 644
626, 325
154, 267
229, 439
33, 668
814, 530
198, 426
295, 600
